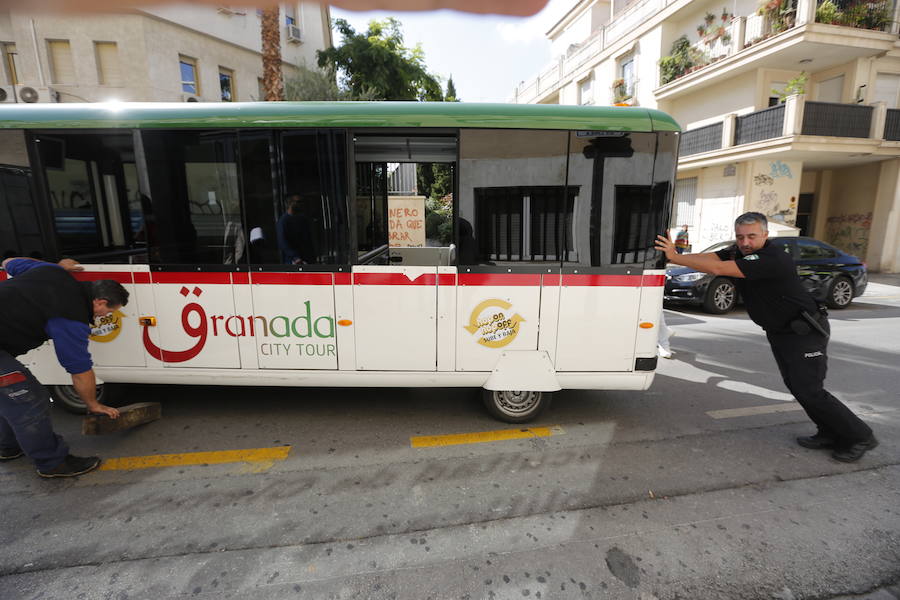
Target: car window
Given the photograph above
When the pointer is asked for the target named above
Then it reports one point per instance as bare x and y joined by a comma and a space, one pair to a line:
812, 251
784, 244
719, 246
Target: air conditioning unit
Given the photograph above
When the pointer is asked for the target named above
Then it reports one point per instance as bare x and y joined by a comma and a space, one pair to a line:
31, 95
294, 35
188, 97
7, 93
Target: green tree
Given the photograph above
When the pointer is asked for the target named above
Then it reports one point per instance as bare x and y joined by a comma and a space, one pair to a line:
450, 96
376, 60
320, 84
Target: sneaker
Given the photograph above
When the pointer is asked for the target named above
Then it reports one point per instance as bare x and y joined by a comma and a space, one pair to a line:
855, 451
72, 466
10, 453
663, 352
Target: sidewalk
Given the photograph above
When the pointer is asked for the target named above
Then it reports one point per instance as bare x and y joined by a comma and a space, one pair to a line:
885, 278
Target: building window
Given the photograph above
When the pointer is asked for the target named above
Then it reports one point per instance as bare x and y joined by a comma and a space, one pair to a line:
625, 89
226, 84
62, 68
290, 15
586, 91
109, 71
9, 62
189, 82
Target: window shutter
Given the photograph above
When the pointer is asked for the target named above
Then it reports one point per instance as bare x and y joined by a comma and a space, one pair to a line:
108, 68
61, 64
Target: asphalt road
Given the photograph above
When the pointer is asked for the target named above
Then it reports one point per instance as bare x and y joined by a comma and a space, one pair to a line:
692, 490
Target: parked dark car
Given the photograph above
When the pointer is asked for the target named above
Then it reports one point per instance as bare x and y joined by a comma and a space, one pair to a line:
831, 275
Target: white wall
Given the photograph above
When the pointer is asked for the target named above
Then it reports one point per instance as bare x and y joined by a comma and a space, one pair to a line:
720, 200
711, 104
574, 33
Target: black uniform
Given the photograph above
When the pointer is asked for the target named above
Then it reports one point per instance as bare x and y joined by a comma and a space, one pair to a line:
775, 299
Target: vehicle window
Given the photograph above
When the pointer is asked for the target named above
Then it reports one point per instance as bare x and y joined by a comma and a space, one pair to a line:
614, 217
194, 197
92, 188
811, 251
513, 205
404, 198
719, 246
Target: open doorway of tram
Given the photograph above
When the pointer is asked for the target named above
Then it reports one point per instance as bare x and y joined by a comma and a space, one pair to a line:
404, 199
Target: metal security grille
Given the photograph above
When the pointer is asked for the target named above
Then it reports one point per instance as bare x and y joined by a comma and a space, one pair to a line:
685, 200
838, 120
892, 125
760, 125
702, 139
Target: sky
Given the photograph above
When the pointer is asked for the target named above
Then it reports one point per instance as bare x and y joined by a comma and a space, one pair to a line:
487, 55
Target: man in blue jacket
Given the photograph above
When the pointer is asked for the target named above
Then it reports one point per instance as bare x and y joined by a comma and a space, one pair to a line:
42, 301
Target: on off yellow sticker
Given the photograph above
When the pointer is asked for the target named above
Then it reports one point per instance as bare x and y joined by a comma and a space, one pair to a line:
107, 328
493, 324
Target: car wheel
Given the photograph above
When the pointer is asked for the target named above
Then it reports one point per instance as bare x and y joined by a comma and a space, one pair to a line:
840, 293
69, 399
721, 296
515, 406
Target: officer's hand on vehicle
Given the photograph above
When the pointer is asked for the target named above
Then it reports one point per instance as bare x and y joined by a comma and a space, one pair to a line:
102, 409
665, 245
70, 265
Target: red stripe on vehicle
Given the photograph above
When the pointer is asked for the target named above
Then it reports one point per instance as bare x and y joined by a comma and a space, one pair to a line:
189, 277
602, 280
500, 279
342, 279
392, 279
240, 278
653, 280
2, 275
446, 279
292, 278
551, 279
98, 275
141, 277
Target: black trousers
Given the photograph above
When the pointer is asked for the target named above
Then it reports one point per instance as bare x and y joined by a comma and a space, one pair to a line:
803, 362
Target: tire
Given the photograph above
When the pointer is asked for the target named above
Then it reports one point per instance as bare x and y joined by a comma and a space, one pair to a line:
721, 296
515, 406
67, 397
840, 293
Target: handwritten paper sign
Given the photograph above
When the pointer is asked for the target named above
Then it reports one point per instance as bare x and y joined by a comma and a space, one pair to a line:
406, 221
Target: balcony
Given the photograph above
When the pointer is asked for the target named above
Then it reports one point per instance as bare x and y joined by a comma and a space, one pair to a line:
788, 123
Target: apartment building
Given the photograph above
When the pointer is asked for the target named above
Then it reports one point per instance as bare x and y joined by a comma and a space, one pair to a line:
789, 107
169, 53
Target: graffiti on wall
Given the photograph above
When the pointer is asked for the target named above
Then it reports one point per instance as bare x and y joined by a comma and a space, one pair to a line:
850, 232
775, 189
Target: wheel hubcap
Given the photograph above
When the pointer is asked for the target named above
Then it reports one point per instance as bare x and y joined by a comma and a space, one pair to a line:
842, 293
516, 403
723, 297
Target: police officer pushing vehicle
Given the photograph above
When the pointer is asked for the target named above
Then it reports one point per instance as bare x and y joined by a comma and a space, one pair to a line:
797, 329
43, 301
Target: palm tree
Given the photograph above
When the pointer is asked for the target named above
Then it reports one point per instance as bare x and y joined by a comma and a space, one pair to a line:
273, 81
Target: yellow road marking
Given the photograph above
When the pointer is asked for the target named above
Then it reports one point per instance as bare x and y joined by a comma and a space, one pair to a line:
219, 457
749, 411
453, 439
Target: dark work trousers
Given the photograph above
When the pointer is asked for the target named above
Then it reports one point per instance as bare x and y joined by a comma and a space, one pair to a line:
803, 362
25, 416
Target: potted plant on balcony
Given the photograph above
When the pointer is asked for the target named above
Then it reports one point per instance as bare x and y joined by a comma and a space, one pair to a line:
682, 59
795, 85
620, 92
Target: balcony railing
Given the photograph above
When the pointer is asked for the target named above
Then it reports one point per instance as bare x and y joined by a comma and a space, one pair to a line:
794, 117
877, 15
838, 120
760, 125
702, 139
892, 125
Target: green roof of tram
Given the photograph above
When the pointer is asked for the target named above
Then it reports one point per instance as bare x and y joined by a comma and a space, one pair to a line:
148, 115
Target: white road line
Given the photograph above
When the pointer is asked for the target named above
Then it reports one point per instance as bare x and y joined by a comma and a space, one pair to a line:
749, 411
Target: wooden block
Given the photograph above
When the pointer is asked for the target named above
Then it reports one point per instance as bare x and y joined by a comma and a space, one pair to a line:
129, 416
